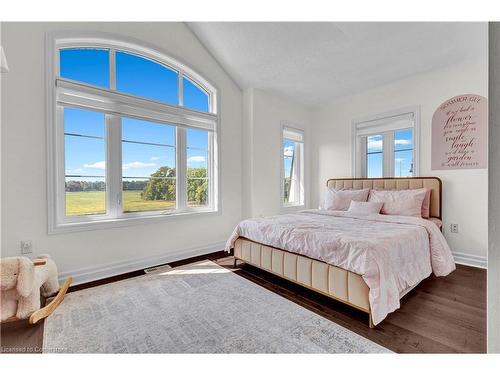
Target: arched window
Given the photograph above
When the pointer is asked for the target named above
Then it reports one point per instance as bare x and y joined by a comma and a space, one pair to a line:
132, 134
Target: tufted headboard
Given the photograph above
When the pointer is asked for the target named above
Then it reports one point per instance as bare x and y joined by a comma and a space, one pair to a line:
433, 183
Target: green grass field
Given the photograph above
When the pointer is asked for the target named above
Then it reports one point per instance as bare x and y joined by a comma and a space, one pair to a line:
93, 202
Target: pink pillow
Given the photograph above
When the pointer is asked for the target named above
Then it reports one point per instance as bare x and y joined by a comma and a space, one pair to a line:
339, 200
426, 205
365, 208
400, 202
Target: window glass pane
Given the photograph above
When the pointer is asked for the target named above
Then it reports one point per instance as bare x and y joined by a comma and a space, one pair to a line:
403, 154
374, 143
289, 182
148, 132
374, 159
148, 166
194, 97
77, 121
84, 162
197, 168
142, 77
374, 165
403, 140
85, 65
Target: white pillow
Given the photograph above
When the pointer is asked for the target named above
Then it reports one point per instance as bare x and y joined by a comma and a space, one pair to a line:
400, 202
339, 200
365, 208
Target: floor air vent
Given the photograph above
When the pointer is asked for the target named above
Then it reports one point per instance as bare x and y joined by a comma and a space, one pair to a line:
158, 269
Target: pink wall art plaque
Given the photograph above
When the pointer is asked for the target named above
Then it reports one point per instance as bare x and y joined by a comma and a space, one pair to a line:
460, 133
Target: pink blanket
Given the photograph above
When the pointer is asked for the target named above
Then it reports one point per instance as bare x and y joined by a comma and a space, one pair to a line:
391, 253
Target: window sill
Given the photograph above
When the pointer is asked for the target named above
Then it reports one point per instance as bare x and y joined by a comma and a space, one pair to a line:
69, 227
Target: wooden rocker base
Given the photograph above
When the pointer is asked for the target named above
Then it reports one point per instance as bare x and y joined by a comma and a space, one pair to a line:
49, 309
45, 311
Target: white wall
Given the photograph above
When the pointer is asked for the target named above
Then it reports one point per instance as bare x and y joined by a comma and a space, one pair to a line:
24, 170
494, 196
264, 114
465, 192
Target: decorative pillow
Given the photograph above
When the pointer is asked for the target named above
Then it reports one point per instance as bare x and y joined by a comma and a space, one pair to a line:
400, 202
365, 208
426, 205
339, 200
436, 221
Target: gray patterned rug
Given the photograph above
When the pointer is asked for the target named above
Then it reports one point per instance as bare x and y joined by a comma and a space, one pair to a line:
198, 308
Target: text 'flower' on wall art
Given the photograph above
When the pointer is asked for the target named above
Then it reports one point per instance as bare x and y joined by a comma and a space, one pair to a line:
460, 133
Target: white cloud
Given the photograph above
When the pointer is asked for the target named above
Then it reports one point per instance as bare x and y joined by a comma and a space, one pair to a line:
196, 159
137, 165
288, 151
96, 165
378, 143
153, 158
375, 144
402, 142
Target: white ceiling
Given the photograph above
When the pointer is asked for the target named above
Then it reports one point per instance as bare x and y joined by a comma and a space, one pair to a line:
315, 62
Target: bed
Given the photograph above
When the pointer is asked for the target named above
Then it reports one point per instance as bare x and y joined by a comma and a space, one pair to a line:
367, 262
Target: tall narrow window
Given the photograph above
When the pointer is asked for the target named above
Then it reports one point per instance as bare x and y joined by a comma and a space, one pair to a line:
84, 162
292, 167
403, 153
148, 166
197, 168
133, 136
374, 156
385, 146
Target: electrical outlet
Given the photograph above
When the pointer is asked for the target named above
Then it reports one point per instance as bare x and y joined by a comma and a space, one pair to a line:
454, 228
26, 247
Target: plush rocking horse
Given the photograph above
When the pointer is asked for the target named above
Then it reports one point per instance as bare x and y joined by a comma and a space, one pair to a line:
21, 284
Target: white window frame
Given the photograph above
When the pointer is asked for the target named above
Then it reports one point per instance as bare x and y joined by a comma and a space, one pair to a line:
65, 92
301, 167
385, 124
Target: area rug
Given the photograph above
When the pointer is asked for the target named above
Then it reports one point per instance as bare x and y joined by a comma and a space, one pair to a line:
198, 308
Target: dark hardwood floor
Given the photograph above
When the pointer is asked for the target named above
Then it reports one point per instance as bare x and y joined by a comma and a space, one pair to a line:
441, 315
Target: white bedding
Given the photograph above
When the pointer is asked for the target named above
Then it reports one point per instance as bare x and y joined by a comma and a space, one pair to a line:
391, 253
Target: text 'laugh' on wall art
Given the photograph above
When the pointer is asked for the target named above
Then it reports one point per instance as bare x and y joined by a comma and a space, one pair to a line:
460, 133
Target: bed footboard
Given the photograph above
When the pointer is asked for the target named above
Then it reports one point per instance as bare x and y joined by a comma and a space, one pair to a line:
334, 282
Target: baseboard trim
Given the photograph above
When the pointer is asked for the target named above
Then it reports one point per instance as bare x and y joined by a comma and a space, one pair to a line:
470, 260
88, 274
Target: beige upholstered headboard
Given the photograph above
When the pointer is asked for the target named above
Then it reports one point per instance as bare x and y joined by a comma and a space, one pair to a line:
433, 183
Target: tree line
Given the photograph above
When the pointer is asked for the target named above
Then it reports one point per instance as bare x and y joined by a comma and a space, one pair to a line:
161, 185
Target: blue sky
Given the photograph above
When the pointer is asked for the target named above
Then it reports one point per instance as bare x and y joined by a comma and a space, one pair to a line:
403, 158
288, 149
85, 130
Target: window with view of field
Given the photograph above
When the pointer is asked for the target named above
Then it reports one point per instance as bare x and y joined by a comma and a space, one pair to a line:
84, 135
123, 156
148, 166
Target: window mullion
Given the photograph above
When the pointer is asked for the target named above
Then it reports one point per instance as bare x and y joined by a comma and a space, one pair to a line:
181, 169
113, 166
180, 89
112, 69
362, 162
388, 154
